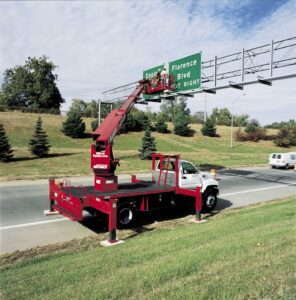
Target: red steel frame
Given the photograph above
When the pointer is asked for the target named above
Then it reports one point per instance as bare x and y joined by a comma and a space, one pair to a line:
106, 195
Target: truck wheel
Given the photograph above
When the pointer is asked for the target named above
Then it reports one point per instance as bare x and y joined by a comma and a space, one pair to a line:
287, 167
209, 200
125, 216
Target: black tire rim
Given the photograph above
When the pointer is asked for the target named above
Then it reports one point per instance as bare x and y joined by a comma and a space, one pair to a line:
125, 216
210, 201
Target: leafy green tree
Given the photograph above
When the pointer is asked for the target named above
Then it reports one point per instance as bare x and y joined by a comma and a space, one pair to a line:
32, 85
78, 105
137, 120
182, 119
132, 123
148, 145
221, 116
252, 126
286, 137
209, 128
161, 126
168, 108
94, 124
150, 114
277, 125
197, 118
5, 148
92, 109
74, 126
39, 144
240, 120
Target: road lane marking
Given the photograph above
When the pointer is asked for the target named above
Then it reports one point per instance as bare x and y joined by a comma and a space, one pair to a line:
257, 190
63, 219
32, 224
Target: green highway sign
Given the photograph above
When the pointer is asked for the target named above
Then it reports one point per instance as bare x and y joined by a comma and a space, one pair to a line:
149, 74
187, 72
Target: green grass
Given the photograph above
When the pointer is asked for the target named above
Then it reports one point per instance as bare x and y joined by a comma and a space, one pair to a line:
241, 254
71, 156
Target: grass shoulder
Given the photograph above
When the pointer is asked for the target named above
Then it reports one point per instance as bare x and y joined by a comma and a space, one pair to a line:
241, 253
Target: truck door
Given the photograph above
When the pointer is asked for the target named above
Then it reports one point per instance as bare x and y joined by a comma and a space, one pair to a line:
189, 177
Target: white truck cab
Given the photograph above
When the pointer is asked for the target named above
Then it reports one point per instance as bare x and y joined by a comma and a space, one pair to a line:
190, 177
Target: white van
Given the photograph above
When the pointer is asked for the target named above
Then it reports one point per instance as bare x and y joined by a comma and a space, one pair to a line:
282, 160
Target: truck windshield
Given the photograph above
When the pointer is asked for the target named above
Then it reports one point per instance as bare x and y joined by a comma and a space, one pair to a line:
188, 168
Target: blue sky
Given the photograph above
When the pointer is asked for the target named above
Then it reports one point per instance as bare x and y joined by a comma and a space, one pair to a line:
245, 14
103, 44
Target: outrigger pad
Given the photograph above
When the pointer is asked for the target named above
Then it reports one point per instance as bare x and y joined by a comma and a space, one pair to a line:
198, 221
106, 243
47, 212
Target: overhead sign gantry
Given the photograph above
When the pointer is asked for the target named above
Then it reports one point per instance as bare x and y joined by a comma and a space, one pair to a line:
262, 64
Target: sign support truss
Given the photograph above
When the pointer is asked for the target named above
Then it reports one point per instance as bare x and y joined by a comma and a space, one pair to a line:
262, 64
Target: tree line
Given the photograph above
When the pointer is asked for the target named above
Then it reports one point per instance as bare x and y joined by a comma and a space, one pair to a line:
33, 86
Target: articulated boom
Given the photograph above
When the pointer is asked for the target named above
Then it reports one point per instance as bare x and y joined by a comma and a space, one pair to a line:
102, 159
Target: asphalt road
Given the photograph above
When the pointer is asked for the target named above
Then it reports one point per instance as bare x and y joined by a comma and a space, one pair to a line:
23, 224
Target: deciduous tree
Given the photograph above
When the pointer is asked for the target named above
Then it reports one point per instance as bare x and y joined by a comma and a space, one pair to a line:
32, 85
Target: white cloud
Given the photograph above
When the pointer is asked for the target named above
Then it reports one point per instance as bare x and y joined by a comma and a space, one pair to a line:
100, 45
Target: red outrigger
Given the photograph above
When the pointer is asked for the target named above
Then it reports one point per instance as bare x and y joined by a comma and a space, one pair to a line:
106, 195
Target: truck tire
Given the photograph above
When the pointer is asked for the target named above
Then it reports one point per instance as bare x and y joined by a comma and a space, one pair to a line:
126, 216
209, 200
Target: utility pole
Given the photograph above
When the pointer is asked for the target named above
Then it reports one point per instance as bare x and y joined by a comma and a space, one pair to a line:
99, 114
205, 113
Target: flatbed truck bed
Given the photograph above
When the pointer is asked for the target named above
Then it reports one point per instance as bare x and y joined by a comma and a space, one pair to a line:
124, 190
72, 200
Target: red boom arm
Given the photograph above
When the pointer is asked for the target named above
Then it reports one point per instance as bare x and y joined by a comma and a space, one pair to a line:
102, 159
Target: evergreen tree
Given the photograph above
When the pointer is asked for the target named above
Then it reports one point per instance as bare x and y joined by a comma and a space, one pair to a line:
74, 125
161, 126
39, 144
209, 128
148, 145
182, 119
5, 148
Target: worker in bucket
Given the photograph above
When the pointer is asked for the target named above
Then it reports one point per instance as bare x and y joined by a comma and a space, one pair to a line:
158, 76
164, 76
